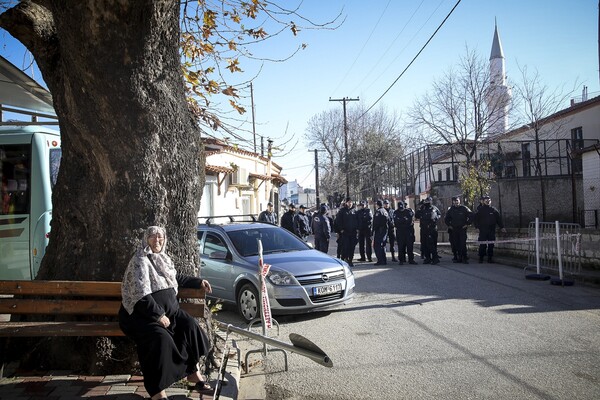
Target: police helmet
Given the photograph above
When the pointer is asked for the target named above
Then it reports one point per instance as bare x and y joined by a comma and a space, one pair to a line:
379, 203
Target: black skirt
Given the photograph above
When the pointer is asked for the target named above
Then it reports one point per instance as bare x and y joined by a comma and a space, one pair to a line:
166, 355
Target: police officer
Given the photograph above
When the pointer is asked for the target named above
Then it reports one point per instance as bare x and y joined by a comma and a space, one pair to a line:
301, 224
365, 228
322, 229
287, 219
346, 223
380, 231
268, 215
458, 218
405, 233
428, 216
486, 219
391, 234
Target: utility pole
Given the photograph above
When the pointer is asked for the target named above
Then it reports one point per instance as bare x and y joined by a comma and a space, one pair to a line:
344, 100
253, 125
318, 200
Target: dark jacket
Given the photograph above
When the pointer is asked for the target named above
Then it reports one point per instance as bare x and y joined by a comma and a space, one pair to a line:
428, 215
380, 221
390, 213
346, 221
301, 224
403, 218
320, 226
458, 216
365, 219
287, 220
487, 217
267, 216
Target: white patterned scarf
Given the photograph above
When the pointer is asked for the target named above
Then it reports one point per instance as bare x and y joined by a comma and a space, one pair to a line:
147, 272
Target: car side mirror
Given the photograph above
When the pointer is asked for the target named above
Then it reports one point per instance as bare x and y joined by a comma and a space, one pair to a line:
218, 255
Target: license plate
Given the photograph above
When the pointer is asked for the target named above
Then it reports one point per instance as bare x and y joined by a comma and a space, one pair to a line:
327, 289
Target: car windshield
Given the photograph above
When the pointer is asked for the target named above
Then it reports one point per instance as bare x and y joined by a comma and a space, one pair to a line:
274, 240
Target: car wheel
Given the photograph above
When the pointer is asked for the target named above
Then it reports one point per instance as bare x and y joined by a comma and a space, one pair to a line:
248, 302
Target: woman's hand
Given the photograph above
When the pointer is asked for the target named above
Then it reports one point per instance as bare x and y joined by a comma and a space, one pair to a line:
206, 286
164, 321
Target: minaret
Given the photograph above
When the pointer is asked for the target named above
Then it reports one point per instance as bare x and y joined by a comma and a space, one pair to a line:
499, 94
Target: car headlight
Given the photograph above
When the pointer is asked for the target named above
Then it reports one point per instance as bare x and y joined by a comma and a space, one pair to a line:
281, 278
347, 271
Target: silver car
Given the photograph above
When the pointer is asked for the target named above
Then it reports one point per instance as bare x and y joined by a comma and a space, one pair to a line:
300, 280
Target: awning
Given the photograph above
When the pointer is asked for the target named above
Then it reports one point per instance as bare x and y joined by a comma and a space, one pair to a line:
19, 90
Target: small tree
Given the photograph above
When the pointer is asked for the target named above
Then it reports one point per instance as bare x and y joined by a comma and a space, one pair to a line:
475, 181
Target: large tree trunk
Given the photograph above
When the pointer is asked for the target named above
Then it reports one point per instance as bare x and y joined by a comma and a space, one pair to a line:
132, 154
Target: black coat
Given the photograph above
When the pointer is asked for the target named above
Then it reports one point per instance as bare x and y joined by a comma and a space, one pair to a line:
487, 217
458, 216
287, 220
346, 221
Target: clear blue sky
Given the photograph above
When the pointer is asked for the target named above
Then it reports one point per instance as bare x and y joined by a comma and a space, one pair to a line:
378, 39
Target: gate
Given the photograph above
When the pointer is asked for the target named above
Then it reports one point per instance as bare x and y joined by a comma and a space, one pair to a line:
569, 245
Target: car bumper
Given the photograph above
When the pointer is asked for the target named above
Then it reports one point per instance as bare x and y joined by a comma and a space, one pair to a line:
302, 299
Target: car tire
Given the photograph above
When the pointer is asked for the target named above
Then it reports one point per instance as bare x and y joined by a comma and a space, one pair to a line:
248, 302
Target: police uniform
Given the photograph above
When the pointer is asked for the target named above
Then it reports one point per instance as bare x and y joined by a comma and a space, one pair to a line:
391, 233
321, 229
380, 231
365, 236
457, 219
428, 216
301, 224
405, 233
346, 223
486, 219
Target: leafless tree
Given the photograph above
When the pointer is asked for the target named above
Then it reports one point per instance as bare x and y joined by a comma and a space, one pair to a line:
457, 110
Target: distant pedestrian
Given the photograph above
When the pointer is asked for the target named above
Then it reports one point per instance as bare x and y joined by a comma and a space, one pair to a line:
268, 215
405, 233
301, 224
380, 232
391, 233
287, 219
365, 235
428, 217
321, 229
458, 218
346, 224
486, 219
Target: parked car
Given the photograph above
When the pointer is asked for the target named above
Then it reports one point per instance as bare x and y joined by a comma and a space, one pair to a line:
300, 280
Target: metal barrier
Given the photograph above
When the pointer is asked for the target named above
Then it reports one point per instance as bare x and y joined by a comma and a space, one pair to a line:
563, 255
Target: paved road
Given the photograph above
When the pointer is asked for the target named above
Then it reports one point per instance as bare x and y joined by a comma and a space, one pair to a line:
447, 331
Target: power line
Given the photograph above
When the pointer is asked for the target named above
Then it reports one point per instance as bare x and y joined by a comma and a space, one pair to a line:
413, 60
371, 70
363, 46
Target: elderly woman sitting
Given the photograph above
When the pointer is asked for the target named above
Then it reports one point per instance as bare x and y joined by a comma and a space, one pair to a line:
169, 341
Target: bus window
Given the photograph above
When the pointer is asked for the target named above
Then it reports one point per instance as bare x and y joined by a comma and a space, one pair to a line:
55, 156
15, 164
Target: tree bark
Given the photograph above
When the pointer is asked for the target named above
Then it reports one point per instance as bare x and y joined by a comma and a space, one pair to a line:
132, 154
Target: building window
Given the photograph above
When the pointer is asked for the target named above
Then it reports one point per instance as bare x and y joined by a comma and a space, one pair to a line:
448, 174
439, 175
455, 168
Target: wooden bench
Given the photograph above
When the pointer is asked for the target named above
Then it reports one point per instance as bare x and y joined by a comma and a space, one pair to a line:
73, 300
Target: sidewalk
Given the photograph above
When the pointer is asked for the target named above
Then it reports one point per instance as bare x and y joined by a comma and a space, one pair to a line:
63, 385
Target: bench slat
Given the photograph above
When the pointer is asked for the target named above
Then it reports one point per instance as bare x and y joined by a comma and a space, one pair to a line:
78, 288
59, 307
37, 329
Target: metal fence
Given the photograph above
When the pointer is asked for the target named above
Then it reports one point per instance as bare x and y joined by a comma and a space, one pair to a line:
569, 243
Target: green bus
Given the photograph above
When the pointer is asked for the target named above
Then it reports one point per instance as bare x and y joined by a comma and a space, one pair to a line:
29, 162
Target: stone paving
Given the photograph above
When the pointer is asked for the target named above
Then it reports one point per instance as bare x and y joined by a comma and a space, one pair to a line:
61, 385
